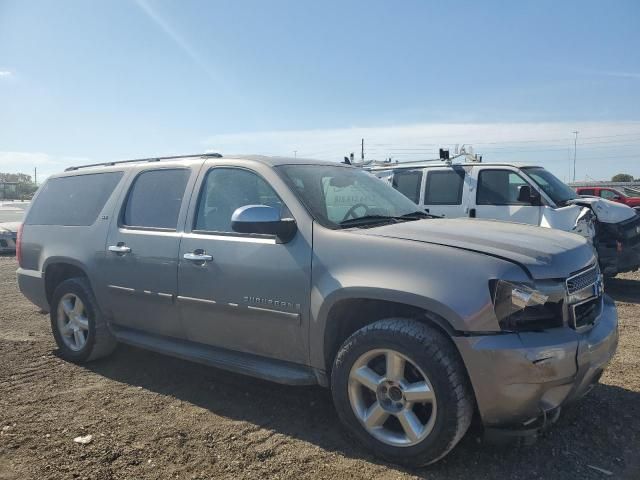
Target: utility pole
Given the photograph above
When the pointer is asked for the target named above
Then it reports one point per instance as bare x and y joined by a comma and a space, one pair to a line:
295, 154
575, 148
362, 151
35, 175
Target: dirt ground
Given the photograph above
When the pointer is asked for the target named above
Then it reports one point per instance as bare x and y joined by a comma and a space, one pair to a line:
158, 417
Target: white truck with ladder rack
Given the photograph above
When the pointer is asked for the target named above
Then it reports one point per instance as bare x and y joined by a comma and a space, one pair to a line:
521, 193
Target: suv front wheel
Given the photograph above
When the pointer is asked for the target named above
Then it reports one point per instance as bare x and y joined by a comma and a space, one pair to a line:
77, 323
401, 388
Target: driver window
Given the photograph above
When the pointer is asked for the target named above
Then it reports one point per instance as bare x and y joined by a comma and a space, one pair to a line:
226, 189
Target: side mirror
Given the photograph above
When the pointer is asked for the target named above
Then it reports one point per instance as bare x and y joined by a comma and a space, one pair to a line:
264, 220
527, 195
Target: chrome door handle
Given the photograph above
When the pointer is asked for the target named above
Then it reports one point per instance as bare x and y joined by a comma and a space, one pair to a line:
197, 257
119, 249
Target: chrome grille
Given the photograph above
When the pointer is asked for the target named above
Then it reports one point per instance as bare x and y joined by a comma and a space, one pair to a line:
584, 295
582, 280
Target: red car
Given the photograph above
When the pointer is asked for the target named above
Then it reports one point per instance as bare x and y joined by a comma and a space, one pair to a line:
609, 193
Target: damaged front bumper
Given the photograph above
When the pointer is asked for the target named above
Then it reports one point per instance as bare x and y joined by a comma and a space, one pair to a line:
520, 378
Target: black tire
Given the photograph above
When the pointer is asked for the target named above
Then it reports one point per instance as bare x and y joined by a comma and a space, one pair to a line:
430, 350
99, 340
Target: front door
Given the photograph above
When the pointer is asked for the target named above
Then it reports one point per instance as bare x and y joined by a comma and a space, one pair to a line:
243, 292
497, 197
140, 265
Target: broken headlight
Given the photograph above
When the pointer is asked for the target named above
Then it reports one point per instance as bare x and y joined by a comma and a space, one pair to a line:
520, 307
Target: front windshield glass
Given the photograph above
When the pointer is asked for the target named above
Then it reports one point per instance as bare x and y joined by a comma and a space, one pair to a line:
558, 191
341, 197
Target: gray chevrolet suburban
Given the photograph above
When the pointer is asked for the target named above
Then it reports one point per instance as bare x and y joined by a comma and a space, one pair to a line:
303, 273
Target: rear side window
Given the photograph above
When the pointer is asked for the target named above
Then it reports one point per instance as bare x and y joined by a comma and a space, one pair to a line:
155, 198
499, 187
586, 191
73, 201
444, 187
408, 183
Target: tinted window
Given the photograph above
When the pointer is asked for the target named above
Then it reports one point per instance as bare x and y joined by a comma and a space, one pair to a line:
73, 201
155, 198
408, 183
444, 187
499, 187
227, 189
586, 191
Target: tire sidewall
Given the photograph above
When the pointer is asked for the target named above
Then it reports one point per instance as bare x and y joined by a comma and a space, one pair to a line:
78, 287
446, 412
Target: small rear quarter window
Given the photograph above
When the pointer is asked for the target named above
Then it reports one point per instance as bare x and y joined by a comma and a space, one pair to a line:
74, 200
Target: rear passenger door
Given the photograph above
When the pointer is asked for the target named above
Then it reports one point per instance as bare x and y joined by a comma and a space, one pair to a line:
141, 258
444, 191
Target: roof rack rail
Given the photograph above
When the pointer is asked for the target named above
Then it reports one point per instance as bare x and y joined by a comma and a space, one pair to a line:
139, 160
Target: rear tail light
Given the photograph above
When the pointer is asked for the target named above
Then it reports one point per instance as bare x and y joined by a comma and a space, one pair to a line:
19, 245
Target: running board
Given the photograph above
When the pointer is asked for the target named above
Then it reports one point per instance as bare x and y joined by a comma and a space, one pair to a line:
244, 363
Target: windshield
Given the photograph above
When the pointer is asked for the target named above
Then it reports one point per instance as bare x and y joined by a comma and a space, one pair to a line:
340, 197
558, 191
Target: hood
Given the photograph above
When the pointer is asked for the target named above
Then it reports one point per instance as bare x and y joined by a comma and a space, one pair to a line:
606, 211
544, 252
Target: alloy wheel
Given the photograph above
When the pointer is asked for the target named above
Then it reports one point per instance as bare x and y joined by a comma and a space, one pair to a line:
73, 323
392, 398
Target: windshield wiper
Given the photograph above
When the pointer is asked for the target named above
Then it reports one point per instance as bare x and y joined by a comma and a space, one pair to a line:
368, 220
418, 214
375, 219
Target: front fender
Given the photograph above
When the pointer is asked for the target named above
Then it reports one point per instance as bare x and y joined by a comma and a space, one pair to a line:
449, 282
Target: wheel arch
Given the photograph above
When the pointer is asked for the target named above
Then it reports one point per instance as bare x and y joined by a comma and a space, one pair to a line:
59, 269
351, 309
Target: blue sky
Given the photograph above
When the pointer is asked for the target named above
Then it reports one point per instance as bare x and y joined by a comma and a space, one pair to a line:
91, 81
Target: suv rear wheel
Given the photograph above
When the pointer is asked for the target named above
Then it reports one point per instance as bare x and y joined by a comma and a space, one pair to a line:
77, 323
402, 390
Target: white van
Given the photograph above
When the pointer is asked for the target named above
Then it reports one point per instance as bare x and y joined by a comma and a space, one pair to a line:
523, 194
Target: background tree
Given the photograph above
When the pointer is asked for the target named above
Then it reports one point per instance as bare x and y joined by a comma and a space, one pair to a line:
24, 188
622, 177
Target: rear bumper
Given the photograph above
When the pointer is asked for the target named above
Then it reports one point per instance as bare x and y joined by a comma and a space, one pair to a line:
518, 377
31, 284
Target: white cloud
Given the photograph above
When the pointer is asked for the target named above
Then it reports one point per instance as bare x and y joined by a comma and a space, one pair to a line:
611, 73
5, 73
424, 138
549, 144
622, 74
